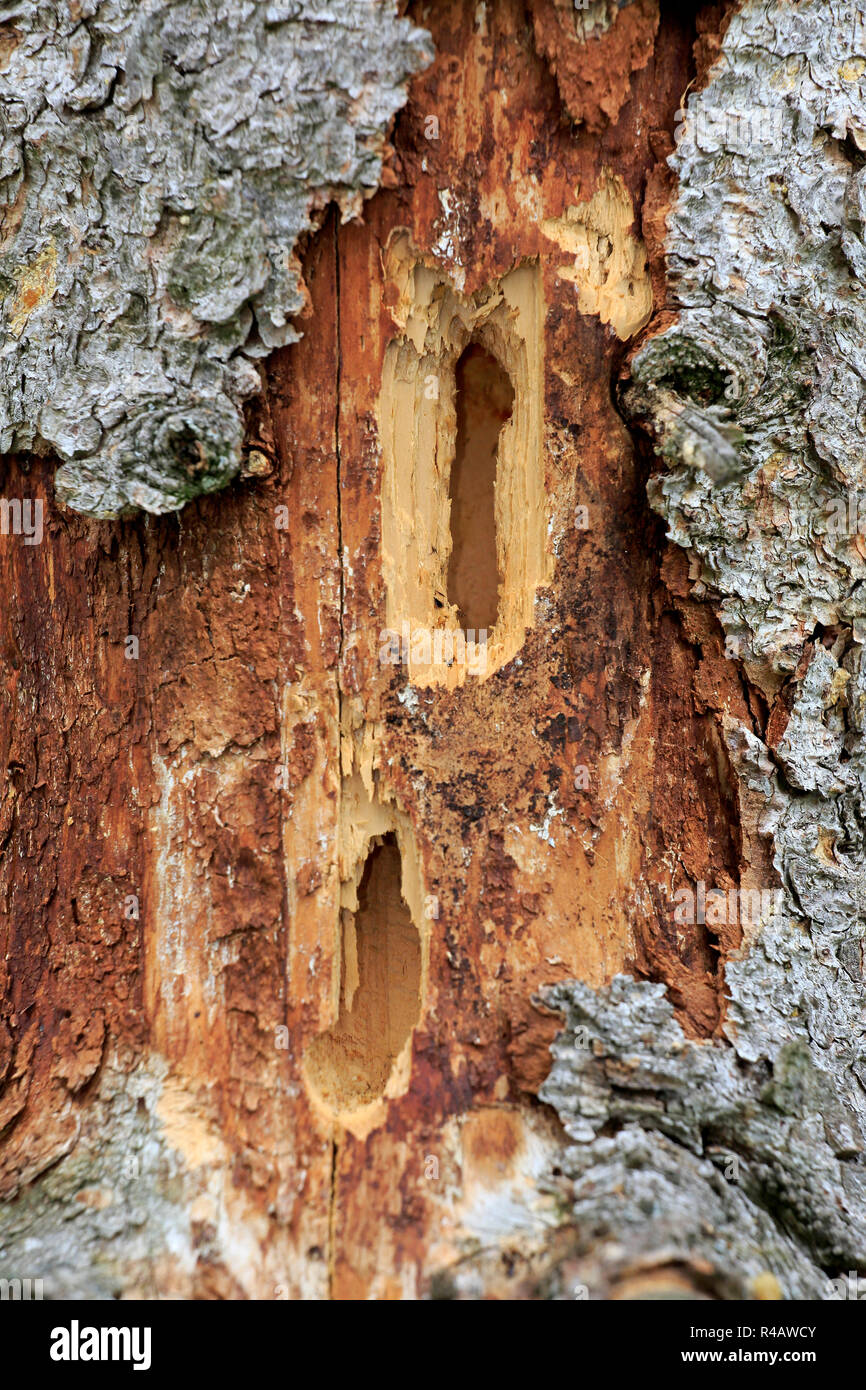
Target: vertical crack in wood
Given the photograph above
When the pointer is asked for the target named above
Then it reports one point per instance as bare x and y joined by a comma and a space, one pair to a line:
335, 1133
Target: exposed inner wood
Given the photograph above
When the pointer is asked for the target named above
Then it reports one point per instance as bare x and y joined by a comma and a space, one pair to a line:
506, 542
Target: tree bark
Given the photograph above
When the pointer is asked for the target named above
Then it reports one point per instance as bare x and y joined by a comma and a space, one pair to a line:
348, 953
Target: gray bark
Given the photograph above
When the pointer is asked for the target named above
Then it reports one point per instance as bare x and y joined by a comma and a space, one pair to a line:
158, 163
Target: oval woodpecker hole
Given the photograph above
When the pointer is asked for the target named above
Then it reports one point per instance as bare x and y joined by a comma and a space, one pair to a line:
484, 401
380, 989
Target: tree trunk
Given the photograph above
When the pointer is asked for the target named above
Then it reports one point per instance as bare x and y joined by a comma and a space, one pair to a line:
421, 874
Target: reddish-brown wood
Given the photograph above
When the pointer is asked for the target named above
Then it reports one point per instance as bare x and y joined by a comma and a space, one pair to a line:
208, 778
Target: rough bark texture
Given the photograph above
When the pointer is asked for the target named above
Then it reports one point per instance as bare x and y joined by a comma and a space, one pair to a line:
232, 1063
158, 163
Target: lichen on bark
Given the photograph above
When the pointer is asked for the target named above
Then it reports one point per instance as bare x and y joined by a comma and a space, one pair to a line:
756, 394
158, 163
755, 400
